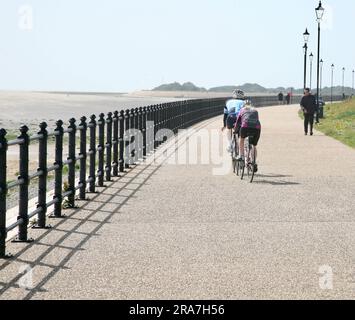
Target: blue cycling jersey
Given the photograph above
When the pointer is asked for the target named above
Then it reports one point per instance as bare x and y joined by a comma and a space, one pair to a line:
233, 107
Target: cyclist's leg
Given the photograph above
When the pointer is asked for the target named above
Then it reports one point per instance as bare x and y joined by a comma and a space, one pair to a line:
243, 136
229, 133
256, 138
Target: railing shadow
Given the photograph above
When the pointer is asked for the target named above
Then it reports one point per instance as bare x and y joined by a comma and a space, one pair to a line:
40, 241
90, 209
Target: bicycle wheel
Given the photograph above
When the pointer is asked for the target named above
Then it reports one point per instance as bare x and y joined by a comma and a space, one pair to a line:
236, 152
243, 163
233, 154
248, 162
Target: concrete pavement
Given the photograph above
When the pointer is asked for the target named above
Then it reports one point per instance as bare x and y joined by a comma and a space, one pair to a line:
167, 231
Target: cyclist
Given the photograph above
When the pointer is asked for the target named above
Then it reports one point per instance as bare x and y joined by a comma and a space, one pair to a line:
250, 126
231, 112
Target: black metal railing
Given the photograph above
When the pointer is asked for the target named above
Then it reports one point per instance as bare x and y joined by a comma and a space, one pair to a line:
113, 147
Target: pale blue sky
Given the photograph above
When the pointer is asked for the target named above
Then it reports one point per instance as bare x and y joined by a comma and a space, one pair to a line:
118, 45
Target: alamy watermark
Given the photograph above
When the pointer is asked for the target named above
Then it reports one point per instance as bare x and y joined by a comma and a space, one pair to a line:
187, 147
326, 281
26, 280
25, 18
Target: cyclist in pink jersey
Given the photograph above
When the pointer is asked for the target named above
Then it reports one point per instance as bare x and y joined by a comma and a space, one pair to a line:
249, 125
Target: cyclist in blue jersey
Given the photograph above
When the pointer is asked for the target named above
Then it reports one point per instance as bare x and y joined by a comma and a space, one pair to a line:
231, 112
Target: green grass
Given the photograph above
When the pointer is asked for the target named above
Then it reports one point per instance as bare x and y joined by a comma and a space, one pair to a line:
339, 122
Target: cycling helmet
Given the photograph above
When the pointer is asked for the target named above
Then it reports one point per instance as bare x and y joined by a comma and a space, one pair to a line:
238, 94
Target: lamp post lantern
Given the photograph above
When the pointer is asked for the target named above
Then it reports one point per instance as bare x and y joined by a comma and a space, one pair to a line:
319, 14
311, 70
305, 47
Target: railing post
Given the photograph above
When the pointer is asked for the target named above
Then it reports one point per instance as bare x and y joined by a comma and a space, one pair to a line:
23, 194
144, 131
72, 159
127, 142
140, 129
171, 116
3, 192
59, 172
92, 125
132, 149
156, 124
101, 150
42, 182
159, 114
121, 140
83, 154
115, 144
148, 130
108, 167
136, 136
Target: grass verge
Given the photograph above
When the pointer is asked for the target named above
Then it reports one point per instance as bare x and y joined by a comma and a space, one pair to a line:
339, 122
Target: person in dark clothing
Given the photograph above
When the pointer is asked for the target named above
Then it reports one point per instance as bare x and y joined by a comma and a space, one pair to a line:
281, 98
288, 98
309, 107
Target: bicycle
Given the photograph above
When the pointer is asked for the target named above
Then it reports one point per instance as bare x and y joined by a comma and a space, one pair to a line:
235, 152
250, 160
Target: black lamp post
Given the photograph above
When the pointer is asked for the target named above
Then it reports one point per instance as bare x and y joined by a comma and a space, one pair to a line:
305, 47
332, 84
311, 70
353, 83
321, 76
343, 83
319, 14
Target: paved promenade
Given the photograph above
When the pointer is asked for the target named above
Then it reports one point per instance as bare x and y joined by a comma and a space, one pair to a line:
166, 231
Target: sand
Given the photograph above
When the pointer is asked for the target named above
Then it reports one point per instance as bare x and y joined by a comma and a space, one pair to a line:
32, 108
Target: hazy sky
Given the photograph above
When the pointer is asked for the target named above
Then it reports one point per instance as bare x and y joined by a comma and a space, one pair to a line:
119, 45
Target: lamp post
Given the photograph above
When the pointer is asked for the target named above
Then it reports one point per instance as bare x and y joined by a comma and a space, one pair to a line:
311, 70
305, 47
332, 85
319, 14
321, 76
343, 83
352, 91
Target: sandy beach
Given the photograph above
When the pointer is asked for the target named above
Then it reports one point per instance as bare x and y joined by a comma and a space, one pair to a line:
32, 108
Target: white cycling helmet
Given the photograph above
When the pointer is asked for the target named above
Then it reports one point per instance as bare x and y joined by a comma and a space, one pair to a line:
238, 94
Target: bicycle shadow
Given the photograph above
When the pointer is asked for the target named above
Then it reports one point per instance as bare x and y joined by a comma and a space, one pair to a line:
274, 180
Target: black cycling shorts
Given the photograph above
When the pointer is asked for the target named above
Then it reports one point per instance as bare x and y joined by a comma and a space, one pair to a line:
231, 120
249, 132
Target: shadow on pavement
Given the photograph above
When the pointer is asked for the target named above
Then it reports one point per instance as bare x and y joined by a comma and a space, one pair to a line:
50, 244
271, 175
274, 180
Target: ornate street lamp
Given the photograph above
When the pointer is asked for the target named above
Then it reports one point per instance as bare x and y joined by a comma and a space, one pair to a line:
332, 84
344, 83
305, 47
319, 14
311, 68
321, 76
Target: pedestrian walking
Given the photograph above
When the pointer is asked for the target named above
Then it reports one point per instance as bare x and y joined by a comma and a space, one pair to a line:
281, 98
309, 107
